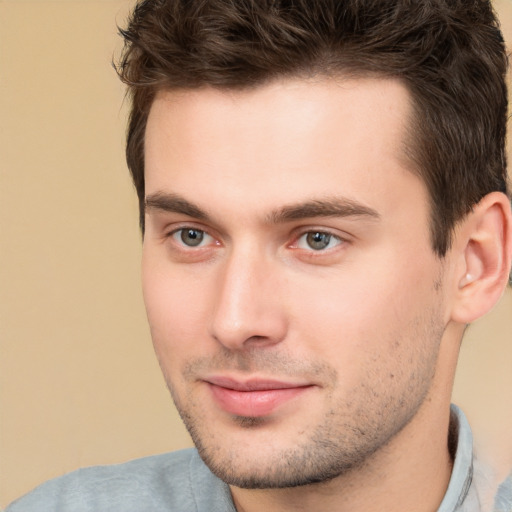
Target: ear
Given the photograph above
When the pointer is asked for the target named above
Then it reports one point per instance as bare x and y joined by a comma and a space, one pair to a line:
483, 246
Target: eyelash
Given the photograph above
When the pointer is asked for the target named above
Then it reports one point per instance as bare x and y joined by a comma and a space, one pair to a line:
181, 232
309, 238
328, 239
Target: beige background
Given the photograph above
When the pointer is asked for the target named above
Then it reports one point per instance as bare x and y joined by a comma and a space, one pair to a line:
79, 384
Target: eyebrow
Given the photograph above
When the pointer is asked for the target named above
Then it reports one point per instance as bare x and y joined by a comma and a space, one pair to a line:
174, 204
329, 207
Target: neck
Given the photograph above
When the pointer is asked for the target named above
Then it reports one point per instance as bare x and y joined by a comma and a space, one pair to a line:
412, 470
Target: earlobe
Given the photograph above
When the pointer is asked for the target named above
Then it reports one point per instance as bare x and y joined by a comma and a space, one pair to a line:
485, 248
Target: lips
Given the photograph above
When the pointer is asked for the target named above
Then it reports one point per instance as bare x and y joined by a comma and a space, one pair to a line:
253, 398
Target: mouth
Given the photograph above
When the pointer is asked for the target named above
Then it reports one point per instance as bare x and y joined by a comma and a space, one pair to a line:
253, 398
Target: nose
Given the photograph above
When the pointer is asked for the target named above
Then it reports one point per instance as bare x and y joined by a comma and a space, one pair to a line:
248, 310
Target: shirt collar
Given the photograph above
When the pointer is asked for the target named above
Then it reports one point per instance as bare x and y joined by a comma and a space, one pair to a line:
462, 473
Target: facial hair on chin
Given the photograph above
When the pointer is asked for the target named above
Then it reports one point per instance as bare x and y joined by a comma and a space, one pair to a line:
350, 433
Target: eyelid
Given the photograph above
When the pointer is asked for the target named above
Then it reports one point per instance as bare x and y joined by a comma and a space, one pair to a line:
215, 239
203, 242
306, 234
172, 230
304, 230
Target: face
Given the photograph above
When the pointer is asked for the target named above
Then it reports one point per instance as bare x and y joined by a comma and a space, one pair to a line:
291, 289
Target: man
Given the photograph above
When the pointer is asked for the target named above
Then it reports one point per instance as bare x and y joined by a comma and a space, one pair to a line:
323, 197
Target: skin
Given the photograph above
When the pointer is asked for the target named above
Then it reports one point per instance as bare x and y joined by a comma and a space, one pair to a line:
364, 326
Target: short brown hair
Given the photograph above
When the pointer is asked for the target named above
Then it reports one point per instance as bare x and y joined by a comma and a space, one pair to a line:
449, 53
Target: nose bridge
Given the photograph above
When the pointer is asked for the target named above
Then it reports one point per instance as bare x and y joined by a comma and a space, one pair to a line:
247, 309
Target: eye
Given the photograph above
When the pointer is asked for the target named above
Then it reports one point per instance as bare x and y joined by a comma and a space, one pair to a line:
191, 237
317, 241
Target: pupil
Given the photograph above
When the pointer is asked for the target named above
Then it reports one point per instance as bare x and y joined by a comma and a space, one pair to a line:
318, 240
192, 237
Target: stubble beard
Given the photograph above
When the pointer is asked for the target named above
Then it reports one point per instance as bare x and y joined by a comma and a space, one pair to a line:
350, 434
330, 451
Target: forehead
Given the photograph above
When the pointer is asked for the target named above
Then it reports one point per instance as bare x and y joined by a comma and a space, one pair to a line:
283, 141
292, 106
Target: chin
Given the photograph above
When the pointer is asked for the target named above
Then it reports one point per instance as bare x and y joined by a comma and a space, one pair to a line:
256, 464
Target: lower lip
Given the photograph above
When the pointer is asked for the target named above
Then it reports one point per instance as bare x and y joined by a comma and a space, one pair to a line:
253, 404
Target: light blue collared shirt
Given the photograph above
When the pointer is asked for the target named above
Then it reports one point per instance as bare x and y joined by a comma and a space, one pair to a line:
181, 482
471, 487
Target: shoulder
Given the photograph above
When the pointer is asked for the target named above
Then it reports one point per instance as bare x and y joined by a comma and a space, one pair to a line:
503, 499
158, 483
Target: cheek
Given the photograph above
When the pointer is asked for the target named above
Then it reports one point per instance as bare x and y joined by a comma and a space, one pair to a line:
175, 310
359, 315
